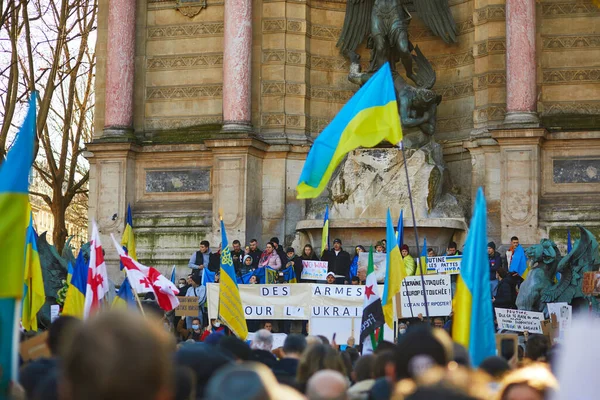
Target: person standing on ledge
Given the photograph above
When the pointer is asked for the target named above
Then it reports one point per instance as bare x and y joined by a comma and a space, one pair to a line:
409, 262
204, 258
338, 261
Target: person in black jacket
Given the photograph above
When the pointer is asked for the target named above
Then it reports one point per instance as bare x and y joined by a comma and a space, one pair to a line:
254, 252
279, 249
338, 261
506, 292
495, 263
293, 260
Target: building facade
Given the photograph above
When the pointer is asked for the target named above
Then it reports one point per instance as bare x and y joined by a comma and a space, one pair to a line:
210, 104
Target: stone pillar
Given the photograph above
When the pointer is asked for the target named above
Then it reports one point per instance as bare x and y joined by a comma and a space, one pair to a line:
520, 183
237, 58
521, 93
120, 67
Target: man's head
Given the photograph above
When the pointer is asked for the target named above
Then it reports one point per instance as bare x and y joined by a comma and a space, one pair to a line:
337, 244
452, 248
330, 277
237, 246
379, 247
362, 274
294, 345
275, 241
106, 343
404, 250
438, 322
355, 280
188, 279
491, 248
196, 281
291, 253
537, 347
263, 340
402, 328
196, 324
327, 384
514, 241
204, 246
431, 252
182, 282
268, 326
253, 244
61, 333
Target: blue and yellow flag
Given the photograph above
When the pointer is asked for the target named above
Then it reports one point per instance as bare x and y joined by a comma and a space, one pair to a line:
124, 297
289, 274
128, 239
422, 261
518, 263
35, 295
75, 299
231, 311
325, 234
370, 117
14, 210
396, 272
473, 324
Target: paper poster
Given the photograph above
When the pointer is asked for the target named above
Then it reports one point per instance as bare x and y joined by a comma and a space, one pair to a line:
439, 296
314, 270
444, 264
519, 320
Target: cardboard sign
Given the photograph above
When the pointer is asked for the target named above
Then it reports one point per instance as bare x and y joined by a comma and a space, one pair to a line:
550, 329
562, 313
519, 320
188, 306
314, 270
507, 346
439, 296
591, 283
444, 264
35, 348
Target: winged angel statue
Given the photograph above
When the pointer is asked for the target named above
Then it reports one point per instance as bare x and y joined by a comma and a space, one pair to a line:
385, 25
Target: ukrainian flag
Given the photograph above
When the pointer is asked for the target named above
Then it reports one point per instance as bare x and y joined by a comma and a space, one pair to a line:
35, 295
369, 117
75, 299
289, 275
325, 234
422, 260
124, 297
128, 239
231, 311
396, 272
473, 324
14, 210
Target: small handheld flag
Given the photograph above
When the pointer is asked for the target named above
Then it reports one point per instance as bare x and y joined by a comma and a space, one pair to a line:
325, 234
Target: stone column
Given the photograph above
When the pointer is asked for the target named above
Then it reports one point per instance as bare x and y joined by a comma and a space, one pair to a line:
120, 67
237, 58
521, 93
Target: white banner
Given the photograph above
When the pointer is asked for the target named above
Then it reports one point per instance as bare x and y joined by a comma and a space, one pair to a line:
519, 320
444, 265
314, 270
437, 289
379, 263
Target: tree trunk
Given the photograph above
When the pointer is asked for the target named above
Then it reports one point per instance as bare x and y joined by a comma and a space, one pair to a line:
60, 233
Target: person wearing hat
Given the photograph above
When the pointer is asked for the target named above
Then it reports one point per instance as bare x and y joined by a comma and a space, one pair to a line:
409, 262
495, 263
199, 291
292, 260
338, 261
330, 278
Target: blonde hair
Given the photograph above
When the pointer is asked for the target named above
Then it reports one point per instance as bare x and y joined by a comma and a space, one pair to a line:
537, 376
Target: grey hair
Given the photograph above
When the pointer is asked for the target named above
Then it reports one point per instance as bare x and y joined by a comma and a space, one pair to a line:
263, 340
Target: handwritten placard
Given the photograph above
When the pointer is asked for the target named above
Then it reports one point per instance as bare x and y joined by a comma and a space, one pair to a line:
519, 320
314, 270
188, 306
444, 264
439, 296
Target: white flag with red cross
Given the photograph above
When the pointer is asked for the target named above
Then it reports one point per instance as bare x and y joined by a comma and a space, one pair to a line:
97, 280
145, 279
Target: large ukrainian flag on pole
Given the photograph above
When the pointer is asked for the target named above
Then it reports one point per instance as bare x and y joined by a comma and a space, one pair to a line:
369, 117
231, 311
128, 239
35, 295
14, 210
396, 272
473, 324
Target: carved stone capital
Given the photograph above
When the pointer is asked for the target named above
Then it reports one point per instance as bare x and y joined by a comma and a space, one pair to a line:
190, 8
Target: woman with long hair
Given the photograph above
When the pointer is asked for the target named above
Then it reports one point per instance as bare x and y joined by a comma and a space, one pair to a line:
354, 266
309, 253
270, 258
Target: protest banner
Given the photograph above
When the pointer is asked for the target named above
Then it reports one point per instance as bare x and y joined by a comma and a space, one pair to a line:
444, 265
519, 320
439, 296
35, 348
188, 306
562, 313
379, 263
314, 270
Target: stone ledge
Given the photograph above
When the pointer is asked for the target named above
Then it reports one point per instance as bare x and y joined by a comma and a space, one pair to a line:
453, 223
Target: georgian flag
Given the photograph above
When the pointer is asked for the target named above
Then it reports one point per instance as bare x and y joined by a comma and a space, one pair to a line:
97, 280
145, 279
372, 318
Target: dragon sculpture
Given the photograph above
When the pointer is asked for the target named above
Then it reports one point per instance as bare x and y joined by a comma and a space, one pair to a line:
539, 287
384, 23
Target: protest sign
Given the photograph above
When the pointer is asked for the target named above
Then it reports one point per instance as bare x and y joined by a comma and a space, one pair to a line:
314, 270
35, 348
519, 320
379, 264
444, 264
278, 339
562, 312
54, 312
188, 306
550, 329
437, 289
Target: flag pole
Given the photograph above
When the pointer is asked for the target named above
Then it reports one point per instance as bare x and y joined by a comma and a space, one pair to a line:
412, 209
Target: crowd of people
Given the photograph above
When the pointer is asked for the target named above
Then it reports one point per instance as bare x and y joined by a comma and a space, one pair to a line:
117, 355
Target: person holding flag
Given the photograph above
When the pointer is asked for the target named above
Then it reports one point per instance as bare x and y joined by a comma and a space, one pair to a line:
371, 328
